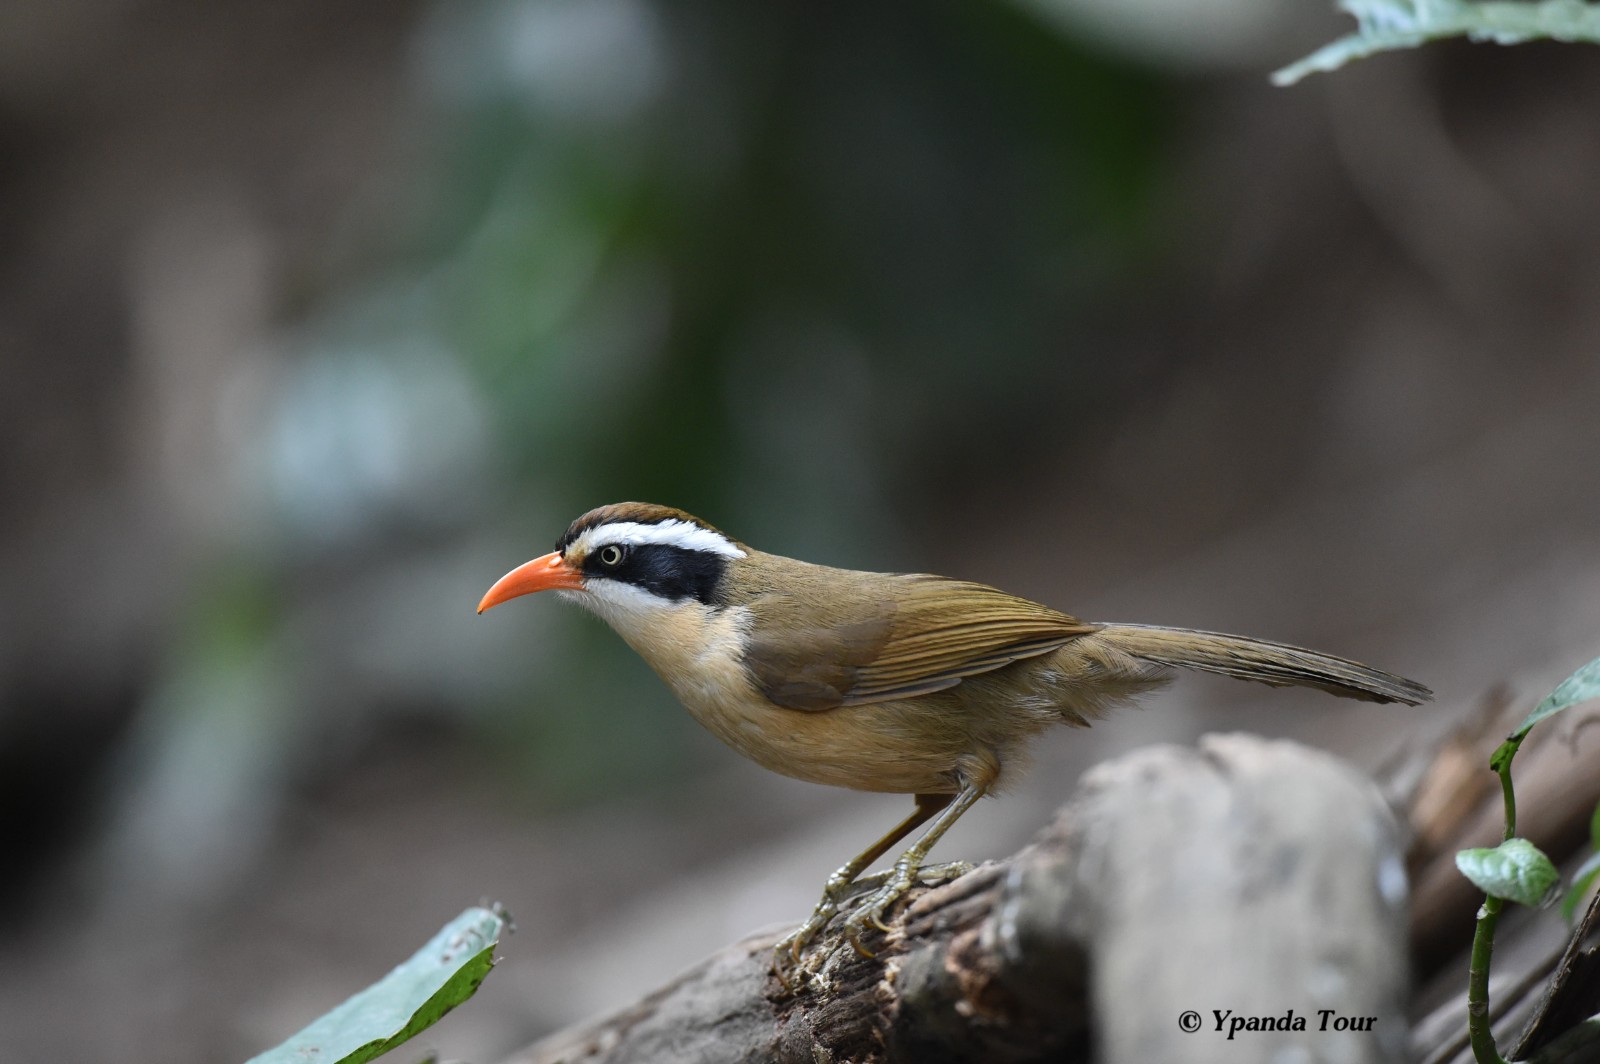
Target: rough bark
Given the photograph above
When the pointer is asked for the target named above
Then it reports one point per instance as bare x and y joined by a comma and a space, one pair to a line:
1243, 879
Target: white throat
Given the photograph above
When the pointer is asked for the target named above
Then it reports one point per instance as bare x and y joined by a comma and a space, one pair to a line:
631, 611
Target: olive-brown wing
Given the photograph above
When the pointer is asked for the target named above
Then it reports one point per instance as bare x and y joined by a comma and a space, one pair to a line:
894, 636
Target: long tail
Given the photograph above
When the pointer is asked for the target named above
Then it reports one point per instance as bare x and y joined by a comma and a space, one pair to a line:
1256, 659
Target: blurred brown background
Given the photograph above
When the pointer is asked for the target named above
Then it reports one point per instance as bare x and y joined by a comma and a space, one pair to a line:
315, 319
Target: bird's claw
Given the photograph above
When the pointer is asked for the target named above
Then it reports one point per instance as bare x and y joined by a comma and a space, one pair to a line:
872, 908
798, 965
855, 944
788, 955
796, 942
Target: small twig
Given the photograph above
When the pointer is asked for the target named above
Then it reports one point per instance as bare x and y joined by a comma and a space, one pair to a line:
1564, 1049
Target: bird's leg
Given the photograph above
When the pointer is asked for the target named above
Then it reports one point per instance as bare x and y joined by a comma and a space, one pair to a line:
871, 908
839, 883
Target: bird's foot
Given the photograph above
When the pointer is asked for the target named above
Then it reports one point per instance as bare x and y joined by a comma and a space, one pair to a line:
867, 901
794, 967
869, 912
935, 875
794, 963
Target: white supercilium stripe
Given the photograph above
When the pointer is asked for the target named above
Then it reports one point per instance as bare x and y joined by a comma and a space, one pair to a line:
672, 533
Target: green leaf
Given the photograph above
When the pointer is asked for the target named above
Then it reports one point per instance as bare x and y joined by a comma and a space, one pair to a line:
1582, 879
1516, 869
1382, 25
1581, 686
410, 999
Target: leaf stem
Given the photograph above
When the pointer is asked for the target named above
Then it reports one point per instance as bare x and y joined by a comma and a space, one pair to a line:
1478, 1029
1503, 767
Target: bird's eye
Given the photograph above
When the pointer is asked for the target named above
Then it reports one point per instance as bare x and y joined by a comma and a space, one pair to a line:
611, 556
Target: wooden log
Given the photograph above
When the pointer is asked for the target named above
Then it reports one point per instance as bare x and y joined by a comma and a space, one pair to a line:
1251, 883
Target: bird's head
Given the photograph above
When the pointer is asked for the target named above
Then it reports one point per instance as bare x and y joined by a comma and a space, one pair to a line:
628, 561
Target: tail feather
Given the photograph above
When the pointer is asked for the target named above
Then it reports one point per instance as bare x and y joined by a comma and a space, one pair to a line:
1277, 664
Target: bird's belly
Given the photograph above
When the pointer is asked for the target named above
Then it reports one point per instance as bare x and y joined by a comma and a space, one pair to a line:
852, 746
898, 747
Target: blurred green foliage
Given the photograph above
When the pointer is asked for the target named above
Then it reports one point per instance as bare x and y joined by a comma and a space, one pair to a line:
791, 268
932, 190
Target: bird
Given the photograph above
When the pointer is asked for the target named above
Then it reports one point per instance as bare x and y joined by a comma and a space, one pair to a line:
905, 683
